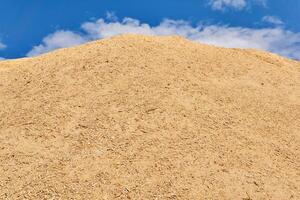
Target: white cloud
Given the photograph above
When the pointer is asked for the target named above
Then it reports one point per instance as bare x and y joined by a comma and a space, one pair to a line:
272, 20
59, 39
235, 4
2, 46
222, 4
103, 29
277, 39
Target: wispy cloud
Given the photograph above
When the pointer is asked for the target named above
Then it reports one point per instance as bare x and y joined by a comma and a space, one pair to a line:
276, 39
272, 20
261, 2
2, 45
111, 16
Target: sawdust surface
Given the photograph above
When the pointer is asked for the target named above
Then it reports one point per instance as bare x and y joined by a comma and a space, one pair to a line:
148, 117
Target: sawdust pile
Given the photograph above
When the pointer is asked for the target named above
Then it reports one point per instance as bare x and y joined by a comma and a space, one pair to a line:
146, 117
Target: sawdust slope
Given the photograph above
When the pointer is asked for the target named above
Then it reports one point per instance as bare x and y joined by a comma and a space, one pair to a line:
146, 117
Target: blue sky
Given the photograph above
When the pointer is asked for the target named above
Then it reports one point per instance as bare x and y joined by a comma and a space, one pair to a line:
33, 27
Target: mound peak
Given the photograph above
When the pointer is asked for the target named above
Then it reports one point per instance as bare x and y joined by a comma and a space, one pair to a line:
147, 117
